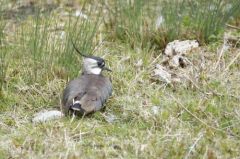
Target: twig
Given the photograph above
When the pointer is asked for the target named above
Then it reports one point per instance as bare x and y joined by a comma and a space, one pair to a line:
99, 45
73, 117
213, 92
233, 60
154, 60
193, 146
195, 85
221, 52
232, 26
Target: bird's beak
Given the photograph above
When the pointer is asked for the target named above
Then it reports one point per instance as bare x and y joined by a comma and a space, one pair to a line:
105, 68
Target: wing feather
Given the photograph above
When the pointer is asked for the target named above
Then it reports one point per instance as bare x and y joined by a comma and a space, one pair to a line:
96, 90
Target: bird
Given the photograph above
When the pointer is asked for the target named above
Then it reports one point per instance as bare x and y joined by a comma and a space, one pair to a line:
87, 93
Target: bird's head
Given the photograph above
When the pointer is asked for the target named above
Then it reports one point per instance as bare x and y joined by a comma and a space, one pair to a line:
94, 65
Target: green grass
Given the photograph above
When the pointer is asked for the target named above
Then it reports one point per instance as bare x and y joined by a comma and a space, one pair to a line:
3, 52
201, 20
198, 118
143, 24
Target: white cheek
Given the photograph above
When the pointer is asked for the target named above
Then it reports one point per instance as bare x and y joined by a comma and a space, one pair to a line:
89, 60
96, 71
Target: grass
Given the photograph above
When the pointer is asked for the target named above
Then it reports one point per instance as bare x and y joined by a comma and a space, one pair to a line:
142, 24
203, 20
3, 63
145, 118
3, 49
129, 22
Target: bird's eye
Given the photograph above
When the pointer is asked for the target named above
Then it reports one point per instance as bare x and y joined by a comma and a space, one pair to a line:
101, 64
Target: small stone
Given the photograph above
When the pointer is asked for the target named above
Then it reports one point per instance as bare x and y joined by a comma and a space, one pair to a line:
162, 73
155, 110
44, 116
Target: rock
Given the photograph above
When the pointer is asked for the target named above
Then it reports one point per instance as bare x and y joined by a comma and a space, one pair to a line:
162, 73
174, 59
45, 115
180, 47
178, 61
155, 110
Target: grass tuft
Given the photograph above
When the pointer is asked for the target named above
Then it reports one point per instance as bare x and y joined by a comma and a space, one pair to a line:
82, 32
3, 53
127, 21
201, 20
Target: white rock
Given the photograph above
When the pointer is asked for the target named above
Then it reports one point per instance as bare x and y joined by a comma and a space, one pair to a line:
180, 47
161, 72
175, 61
44, 116
155, 110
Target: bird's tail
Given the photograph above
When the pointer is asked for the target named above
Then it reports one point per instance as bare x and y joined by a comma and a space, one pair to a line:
76, 105
45, 115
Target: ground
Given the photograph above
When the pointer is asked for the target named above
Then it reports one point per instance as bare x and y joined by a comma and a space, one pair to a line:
197, 117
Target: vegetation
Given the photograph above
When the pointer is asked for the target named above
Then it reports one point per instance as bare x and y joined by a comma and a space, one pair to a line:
3, 64
145, 118
201, 20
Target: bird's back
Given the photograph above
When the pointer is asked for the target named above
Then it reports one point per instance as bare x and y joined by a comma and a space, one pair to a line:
90, 90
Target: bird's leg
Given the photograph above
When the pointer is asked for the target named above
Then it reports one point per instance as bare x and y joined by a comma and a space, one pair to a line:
73, 116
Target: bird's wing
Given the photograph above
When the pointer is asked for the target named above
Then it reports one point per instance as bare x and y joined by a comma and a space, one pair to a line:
74, 90
97, 93
92, 91
106, 90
